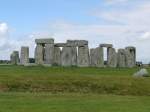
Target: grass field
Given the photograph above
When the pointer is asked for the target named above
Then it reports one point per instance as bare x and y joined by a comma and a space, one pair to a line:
58, 89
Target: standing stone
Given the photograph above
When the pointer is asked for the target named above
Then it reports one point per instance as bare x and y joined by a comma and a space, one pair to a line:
24, 56
57, 56
73, 56
130, 57
69, 56
97, 57
49, 54
73, 45
83, 56
112, 57
14, 57
121, 58
39, 54
66, 56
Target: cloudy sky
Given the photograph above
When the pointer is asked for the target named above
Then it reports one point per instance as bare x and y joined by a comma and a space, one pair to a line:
120, 22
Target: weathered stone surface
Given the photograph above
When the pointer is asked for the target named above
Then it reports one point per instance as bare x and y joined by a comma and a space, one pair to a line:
73, 56
60, 44
66, 56
72, 43
97, 57
24, 56
39, 54
49, 54
121, 58
83, 56
14, 58
57, 56
106, 45
130, 56
69, 56
141, 73
44, 41
82, 42
112, 58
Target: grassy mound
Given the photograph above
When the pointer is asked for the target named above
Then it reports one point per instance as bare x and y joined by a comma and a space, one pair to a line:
72, 80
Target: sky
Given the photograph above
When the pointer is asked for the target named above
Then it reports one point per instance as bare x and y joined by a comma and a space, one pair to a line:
120, 22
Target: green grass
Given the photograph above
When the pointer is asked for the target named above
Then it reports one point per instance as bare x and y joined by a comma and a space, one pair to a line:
45, 102
72, 80
59, 89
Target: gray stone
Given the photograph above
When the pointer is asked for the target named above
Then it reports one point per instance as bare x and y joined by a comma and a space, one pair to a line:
141, 73
72, 43
106, 45
57, 56
83, 58
60, 44
82, 42
73, 56
97, 57
130, 56
44, 41
39, 54
112, 58
121, 58
14, 58
49, 54
66, 56
24, 56
69, 56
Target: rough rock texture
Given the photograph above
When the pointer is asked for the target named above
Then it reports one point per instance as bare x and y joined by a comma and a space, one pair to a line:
121, 58
14, 57
24, 56
130, 57
44, 41
39, 54
141, 73
69, 56
49, 54
66, 56
112, 58
83, 56
106, 45
57, 56
97, 57
73, 56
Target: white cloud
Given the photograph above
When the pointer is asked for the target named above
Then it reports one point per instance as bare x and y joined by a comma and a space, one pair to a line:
3, 30
145, 36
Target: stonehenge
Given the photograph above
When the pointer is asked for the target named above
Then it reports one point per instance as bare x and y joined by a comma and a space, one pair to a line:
24, 55
76, 53
14, 57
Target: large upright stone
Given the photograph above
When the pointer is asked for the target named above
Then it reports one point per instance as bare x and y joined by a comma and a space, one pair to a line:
24, 56
130, 56
49, 54
112, 57
39, 54
69, 56
97, 57
83, 56
121, 58
73, 56
57, 56
14, 57
66, 56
